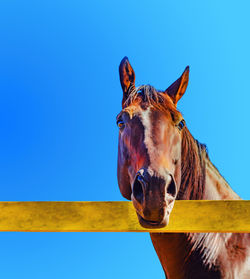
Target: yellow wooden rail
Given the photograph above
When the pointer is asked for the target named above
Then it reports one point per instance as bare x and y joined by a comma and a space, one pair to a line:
187, 216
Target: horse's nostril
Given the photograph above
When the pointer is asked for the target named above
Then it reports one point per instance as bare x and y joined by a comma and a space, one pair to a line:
171, 188
138, 189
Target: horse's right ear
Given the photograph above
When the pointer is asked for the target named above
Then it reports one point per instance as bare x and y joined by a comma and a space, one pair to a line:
127, 77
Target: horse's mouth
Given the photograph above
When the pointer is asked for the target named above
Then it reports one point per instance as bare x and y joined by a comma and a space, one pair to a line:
150, 224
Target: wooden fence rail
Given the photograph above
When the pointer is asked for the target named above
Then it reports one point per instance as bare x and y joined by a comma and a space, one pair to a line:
187, 216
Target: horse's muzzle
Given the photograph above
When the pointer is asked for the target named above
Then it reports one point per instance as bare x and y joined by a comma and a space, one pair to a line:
153, 197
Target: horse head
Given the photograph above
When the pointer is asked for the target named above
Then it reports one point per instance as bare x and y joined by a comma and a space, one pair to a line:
150, 146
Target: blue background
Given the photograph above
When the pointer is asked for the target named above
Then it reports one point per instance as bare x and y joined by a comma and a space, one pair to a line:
60, 94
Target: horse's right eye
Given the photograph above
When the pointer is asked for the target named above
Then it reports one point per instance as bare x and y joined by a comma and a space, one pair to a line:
120, 124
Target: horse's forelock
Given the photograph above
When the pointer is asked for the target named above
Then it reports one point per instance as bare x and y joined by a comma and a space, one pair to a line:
147, 95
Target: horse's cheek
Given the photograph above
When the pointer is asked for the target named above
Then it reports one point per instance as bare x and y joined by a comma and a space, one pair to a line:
123, 149
175, 146
122, 172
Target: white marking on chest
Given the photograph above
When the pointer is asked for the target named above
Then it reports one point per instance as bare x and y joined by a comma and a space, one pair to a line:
211, 244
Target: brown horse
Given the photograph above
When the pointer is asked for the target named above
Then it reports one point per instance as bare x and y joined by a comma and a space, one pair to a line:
158, 162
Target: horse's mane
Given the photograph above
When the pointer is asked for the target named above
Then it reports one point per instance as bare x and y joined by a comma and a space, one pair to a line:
193, 153
193, 174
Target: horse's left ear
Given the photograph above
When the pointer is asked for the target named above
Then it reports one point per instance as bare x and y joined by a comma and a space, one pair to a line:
127, 77
178, 88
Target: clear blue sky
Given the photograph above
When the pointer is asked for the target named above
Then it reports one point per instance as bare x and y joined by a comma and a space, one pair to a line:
60, 93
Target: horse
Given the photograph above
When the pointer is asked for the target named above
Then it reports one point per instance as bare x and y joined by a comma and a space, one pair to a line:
159, 161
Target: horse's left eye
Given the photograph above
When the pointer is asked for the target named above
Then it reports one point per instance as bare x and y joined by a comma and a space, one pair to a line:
120, 124
181, 124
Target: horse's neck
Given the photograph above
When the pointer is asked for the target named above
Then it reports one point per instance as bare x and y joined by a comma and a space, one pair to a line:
215, 256
179, 258
216, 187
203, 253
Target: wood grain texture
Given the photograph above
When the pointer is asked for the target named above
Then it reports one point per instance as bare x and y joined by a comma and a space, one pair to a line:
187, 216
